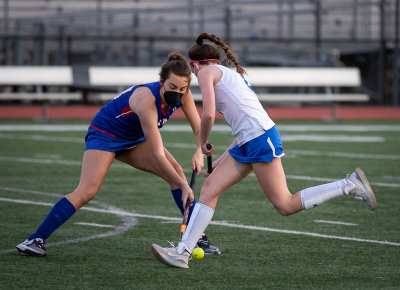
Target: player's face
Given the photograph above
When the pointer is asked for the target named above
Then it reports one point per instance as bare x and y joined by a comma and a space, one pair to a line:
176, 83
174, 88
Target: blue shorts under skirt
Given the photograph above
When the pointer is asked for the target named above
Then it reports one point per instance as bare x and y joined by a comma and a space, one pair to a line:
99, 141
264, 148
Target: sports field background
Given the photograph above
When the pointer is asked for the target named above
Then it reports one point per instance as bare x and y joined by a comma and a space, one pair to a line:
339, 245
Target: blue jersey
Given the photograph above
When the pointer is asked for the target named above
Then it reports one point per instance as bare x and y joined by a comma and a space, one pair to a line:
117, 123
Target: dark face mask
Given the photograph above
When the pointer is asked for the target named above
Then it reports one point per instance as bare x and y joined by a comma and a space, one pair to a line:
172, 98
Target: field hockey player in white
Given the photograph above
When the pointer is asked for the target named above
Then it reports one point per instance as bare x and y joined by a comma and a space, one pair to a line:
257, 147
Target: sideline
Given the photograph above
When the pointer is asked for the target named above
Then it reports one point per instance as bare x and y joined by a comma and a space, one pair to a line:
218, 128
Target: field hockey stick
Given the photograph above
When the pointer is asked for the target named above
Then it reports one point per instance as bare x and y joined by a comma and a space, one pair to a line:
187, 205
209, 160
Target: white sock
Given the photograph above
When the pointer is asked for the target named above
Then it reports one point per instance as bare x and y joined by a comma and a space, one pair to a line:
201, 217
314, 196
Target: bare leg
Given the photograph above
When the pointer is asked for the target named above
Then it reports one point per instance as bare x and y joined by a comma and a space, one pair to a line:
95, 166
227, 173
141, 158
271, 177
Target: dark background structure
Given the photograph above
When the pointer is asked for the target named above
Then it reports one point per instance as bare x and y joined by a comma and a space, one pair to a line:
301, 33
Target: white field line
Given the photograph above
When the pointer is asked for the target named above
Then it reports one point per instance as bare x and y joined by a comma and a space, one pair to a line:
331, 138
94, 225
335, 223
219, 128
119, 165
285, 138
44, 138
220, 223
56, 161
127, 221
342, 154
219, 147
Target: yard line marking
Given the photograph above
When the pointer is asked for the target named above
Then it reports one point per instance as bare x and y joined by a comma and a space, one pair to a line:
128, 222
218, 147
125, 166
341, 154
220, 128
323, 179
285, 138
94, 225
56, 161
331, 138
265, 229
47, 128
220, 223
51, 156
335, 223
43, 138
340, 128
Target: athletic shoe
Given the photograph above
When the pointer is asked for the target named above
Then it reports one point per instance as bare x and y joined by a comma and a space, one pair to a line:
363, 190
34, 247
207, 247
170, 257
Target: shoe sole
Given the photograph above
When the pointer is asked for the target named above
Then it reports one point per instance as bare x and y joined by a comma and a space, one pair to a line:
29, 252
165, 259
26, 251
365, 182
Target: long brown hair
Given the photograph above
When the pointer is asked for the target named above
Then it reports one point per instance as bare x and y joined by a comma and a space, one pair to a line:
200, 51
176, 64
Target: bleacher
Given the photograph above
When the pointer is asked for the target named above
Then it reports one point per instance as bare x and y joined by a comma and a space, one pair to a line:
115, 79
283, 36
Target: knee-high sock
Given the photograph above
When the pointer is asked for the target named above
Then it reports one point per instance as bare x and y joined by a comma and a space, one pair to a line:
314, 196
202, 215
177, 194
58, 215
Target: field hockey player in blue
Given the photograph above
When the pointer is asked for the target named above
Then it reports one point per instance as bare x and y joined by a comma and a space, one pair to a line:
127, 129
257, 147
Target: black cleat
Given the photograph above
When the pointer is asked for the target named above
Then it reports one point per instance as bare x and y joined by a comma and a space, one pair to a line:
207, 247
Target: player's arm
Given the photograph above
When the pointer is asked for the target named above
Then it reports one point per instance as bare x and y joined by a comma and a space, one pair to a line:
144, 107
206, 78
192, 115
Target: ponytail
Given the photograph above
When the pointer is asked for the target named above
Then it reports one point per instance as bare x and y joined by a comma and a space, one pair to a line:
201, 51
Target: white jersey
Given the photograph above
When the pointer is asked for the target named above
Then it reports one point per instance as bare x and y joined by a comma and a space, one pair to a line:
236, 100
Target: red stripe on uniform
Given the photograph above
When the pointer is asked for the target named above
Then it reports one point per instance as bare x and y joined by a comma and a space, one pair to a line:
127, 112
91, 125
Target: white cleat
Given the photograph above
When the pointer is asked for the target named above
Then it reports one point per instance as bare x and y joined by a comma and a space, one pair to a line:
170, 257
34, 247
362, 190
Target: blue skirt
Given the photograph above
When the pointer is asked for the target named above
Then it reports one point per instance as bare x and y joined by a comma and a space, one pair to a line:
107, 142
263, 148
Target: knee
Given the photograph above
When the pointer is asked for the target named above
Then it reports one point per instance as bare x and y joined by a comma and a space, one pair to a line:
208, 190
83, 197
284, 207
284, 211
89, 196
